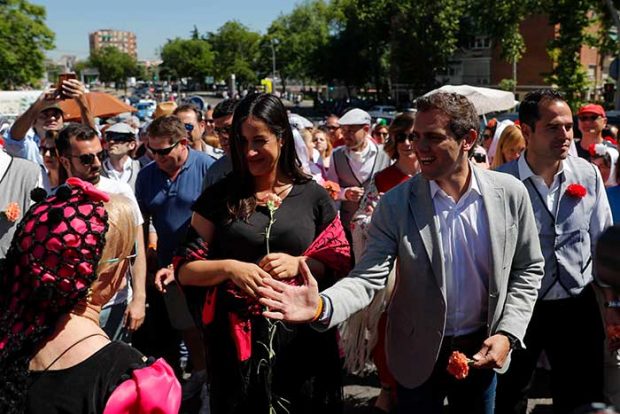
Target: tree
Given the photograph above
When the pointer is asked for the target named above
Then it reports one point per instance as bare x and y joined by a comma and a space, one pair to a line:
24, 38
236, 52
113, 65
299, 40
184, 58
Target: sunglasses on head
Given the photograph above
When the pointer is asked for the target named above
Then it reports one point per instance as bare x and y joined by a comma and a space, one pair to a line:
89, 159
402, 137
223, 130
588, 117
163, 151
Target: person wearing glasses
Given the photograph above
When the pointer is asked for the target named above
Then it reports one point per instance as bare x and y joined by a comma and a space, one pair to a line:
80, 152
66, 260
592, 121
371, 322
469, 268
380, 133
121, 144
166, 190
335, 133
222, 121
195, 126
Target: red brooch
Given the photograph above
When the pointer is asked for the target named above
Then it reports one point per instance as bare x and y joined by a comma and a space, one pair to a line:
576, 190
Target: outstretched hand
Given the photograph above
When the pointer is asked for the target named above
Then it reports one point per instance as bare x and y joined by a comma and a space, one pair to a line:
291, 303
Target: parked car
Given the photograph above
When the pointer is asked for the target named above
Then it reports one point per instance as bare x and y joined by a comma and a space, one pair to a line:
145, 109
382, 111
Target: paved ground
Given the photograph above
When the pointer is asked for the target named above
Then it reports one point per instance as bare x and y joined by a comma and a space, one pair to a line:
360, 394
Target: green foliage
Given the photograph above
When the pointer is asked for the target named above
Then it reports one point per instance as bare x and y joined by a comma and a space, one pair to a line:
299, 40
507, 85
236, 52
24, 38
113, 65
187, 58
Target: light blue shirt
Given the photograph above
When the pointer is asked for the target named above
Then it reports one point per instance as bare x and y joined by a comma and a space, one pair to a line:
466, 245
27, 148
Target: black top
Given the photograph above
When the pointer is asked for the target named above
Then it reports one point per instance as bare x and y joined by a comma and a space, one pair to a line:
585, 154
85, 387
306, 364
304, 213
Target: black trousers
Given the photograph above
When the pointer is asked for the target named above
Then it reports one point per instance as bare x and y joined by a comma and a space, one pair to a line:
570, 331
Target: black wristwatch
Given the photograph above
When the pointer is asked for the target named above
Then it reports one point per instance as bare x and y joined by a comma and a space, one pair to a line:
513, 340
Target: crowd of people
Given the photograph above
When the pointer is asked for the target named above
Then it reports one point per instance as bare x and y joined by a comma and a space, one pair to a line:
241, 259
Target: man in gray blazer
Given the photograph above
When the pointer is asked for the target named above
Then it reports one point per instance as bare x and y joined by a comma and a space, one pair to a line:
469, 264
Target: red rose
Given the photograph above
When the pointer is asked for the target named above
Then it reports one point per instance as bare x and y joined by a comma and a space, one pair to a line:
576, 190
458, 365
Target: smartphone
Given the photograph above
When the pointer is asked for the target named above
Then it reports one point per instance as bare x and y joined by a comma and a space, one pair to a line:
63, 77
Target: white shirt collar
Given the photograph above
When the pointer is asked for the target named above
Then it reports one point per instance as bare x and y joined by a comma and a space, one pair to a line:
473, 186
526, 172
126, 166
371, 149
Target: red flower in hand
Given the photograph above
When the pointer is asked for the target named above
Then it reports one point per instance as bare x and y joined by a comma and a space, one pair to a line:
576, 190
458, 365
332, 188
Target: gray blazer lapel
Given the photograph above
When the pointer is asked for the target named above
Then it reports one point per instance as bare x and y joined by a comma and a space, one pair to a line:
421, 206
495, 207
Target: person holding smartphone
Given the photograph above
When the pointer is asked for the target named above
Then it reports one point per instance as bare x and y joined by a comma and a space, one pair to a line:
27, 134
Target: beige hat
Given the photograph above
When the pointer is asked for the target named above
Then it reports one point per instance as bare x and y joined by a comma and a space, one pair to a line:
164, 108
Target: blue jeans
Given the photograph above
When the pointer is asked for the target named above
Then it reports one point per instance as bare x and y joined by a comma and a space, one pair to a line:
472, 395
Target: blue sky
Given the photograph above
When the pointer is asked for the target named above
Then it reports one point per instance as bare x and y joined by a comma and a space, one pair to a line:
153, 21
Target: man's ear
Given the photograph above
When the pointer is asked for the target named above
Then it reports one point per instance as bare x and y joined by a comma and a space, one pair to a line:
526, 131
65, 162
470, 140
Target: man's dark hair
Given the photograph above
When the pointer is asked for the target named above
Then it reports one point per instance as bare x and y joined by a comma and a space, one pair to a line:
169, 126
80, 132
461, 112
529, 108
188, 108
225, 108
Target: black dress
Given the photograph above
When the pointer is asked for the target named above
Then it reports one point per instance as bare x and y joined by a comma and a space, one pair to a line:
305, 373
85, 387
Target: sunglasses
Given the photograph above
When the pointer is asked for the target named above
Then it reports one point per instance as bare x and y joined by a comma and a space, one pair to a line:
44, 150
189, 127
381, 134
333, 127
89, 159
164, 151
209, 121
117, 137
588, 117
223, 130
402, 137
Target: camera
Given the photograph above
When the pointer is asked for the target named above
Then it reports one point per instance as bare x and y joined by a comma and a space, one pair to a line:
63, 77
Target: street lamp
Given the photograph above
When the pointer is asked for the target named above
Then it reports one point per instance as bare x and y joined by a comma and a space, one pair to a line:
273, 42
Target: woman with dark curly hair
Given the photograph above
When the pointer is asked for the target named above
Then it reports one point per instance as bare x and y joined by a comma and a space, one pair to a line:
67, 258
263, 221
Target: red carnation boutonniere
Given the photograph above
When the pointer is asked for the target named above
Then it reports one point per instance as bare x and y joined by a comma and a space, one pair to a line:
576, 191
12, 212
458, 365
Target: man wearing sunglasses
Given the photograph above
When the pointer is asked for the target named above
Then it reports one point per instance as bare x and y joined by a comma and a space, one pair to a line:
166, 190
222, 121
119, 166
592, 121
195, 127
80, 153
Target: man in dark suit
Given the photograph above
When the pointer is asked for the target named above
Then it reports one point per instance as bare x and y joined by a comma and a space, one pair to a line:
469, 265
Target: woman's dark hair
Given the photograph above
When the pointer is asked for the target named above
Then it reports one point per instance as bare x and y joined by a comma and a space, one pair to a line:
270, 110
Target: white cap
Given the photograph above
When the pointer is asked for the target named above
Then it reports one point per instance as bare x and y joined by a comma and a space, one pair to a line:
121, 128
299, 122
355, 117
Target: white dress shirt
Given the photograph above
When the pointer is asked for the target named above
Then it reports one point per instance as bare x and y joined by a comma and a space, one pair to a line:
466, 244
115, 175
